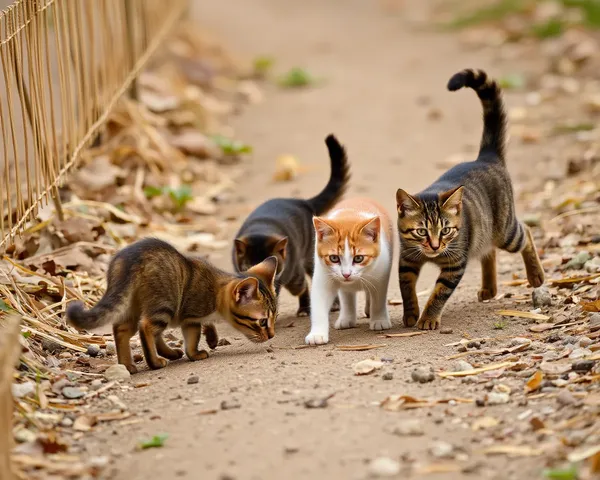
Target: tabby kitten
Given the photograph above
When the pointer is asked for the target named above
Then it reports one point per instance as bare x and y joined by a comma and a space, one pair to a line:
353, 252
467, 213
282, 227
152, 286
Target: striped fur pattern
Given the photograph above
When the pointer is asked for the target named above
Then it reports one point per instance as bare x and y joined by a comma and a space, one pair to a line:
466, 214
282, 227
151, 286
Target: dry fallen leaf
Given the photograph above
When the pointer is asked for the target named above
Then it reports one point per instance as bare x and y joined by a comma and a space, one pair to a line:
583, 454
542, 327
591, 306
395, 403
535, 382
477, 371
364, 367
287, 168
85, 423
513, 450
519, 314
359, 348
484, 422
401, 335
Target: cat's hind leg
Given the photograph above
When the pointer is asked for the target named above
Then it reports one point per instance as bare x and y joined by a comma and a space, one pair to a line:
299, 288
152, 327
165, 351
123, 332
520, 239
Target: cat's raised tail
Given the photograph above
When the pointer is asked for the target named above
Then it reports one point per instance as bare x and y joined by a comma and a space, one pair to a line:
493, 140
101, 314
338, 180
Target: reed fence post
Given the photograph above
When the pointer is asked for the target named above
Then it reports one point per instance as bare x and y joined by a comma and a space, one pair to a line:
10, 348
130, 18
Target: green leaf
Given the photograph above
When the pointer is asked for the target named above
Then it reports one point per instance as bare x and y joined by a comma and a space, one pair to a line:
262, 65
574, 127
26, 334
152, 192
180, 196
514, 80
156, 441
230, 146
497, 11
295, 78
562, 474
552, 28
4, 307
499, 325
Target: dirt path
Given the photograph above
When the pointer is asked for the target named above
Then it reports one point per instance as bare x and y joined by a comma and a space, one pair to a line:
382, 79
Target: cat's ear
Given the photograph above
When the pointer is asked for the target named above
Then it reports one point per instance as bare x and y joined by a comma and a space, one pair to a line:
240, 247
322, 228
451, 201
406, 203
279, 247
245, 291
265, 270
371, 229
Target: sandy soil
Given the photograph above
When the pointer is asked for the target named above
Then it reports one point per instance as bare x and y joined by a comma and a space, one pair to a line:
381, 80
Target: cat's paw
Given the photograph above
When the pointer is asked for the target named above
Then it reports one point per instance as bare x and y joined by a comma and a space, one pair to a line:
336, 305
380, 324
344, 322
485, 294
199, 355
173, 354
429, 323
410, 319
158, 364
536, 276
317, 338
303, 311
131, 368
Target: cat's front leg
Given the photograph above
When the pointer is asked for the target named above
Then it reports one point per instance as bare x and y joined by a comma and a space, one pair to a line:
449, 278
347, 318
408, 274
379, 316
322, 293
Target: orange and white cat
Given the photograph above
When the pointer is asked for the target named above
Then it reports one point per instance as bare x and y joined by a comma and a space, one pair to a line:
354, 245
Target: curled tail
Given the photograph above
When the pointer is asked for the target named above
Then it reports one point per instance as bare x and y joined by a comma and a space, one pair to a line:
338, 180
90, 319
489, 92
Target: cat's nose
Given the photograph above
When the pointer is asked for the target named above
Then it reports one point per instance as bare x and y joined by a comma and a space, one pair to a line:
346, 275
434, 246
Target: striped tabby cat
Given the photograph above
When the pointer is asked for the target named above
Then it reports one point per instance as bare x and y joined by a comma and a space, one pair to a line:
467, 213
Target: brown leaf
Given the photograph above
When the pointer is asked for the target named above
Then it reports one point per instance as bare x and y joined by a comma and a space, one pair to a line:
402, 335
569, 281
535, 382
287, 168
477, 371
194, 143
359, 348
77, 229
536, 423
519, 314
364, 367
85, 423
591, 306
50, 443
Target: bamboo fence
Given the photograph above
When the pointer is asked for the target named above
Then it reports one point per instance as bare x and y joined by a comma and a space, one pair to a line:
10, 348
63, 66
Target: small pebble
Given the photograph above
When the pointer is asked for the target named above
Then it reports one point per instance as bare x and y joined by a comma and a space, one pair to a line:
96, 384
66, 422
193, 380
411, 428
497, 398
585, 342
137, 357
111, 348
461, 366
423, 374
25, 436
580, 353
582, 365
384, 467
566, 398
72, 392
93, 350
446, 330
117, 372
388, 376
65, 355
515, 342
230, 405
223, 342
595, 322
474, 344
441, 449
462, 348
20, 390
51, 346
256, 382
541, 297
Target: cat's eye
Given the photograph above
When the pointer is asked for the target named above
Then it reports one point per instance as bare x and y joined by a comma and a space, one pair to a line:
334, 258
263, 322
422, 232
446, 230
358, 259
